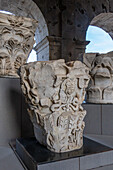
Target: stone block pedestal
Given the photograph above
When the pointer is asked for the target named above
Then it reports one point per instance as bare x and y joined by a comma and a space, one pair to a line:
10, 110
37, 157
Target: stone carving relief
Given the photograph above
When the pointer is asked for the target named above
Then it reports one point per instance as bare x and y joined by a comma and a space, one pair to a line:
100, 88
16, 42
55, 91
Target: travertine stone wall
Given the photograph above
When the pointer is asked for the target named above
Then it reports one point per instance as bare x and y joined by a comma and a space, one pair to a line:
67, 19
76, 17
49, 48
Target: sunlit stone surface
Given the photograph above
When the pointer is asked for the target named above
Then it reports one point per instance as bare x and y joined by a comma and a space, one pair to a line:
16, 42
100, 88
55, 91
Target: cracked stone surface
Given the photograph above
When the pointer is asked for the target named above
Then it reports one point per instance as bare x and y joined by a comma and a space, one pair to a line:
16, 42
55, 91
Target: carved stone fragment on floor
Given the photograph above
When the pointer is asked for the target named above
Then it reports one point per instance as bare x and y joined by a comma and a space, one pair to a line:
100, 88
55, 91
16, 42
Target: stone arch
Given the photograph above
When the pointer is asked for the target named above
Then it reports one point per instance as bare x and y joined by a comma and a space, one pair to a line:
100, 40
104, 21
27, 9
100, 88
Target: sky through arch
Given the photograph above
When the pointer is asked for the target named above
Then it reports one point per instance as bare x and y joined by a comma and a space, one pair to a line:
100, 41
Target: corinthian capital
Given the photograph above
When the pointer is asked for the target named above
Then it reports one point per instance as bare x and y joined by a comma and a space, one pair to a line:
55, 91
16, 42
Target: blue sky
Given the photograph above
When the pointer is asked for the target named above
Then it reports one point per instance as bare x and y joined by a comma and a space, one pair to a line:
100, 40
32, 56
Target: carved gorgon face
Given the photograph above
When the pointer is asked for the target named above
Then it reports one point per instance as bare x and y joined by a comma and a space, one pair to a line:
101, 67
101, 71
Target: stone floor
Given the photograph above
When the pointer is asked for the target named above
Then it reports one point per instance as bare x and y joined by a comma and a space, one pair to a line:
103, 139
110, 167
9, 161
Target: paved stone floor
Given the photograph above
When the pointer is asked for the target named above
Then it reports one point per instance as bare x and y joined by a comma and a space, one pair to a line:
9, 161
103, 139
110, 167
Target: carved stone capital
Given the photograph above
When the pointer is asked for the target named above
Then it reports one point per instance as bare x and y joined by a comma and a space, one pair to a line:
55, 91
16, 42
100, 88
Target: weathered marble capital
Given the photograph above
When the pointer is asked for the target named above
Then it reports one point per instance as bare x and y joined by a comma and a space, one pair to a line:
100, 88
55, 91
16, 42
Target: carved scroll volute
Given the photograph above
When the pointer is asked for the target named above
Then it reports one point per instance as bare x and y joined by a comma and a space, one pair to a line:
55, 91
16, 42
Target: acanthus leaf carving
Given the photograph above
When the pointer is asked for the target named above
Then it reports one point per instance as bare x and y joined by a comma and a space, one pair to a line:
55, 91
16, 42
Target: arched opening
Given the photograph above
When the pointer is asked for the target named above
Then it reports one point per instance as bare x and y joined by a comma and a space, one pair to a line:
100, 41
100, 33
30, 10
99, 58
